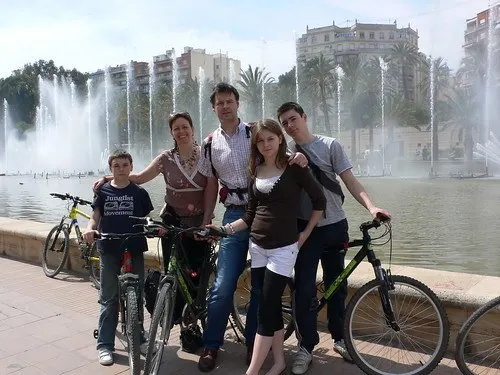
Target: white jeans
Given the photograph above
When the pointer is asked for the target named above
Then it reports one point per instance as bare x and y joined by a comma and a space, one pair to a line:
280, 260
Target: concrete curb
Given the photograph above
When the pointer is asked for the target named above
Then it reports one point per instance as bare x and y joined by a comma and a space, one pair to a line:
460, 293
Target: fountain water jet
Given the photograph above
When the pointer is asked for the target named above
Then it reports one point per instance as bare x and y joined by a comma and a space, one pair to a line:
201, 84
5, 131
383, 70
296, 69
107, 83
89, 104
175, 80
129, 78
431, 99
152, 82
340, 76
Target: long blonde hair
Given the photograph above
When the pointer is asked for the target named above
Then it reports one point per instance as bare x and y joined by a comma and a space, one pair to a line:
256, 157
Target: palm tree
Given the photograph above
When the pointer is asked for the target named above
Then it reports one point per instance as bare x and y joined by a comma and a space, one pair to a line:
284, 90
320, 74
441, 82
251, 82
352, 76
463, 103
406, 56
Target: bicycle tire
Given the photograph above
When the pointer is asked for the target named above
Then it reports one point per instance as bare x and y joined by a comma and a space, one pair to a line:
162, 317
406, 319
242, 300
463, 342
133, 332
94, 266
48, 248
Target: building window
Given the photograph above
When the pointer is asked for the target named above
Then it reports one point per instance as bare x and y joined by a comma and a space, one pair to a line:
362, 46
352, 47
327, 38
372, 35
391, 35
400, 36
216, 66
339, 47
340, 59
361, 35
313, 39
381, 35
372, 46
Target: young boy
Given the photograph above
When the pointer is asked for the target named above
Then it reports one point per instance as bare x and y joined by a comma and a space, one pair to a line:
113, 205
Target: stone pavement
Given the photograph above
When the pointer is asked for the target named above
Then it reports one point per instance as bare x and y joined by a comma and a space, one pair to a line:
46, 327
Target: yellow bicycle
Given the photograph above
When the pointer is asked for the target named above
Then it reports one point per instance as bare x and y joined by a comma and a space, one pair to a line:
56, 247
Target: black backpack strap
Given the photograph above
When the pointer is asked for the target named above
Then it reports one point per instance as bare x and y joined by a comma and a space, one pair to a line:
248, 130
207, 148
331, 184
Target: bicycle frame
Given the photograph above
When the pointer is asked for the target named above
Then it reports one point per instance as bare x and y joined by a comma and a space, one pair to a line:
380, 274
177, 276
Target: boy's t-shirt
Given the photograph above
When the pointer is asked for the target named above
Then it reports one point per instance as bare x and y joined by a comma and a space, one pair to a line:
116, 205
328, 154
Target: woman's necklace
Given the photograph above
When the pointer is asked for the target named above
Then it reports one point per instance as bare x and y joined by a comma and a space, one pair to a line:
189, 164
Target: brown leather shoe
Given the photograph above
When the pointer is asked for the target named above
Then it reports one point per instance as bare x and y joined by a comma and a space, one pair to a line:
207, 359
249, 354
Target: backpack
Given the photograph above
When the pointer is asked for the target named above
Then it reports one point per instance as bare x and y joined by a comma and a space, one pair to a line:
331, 184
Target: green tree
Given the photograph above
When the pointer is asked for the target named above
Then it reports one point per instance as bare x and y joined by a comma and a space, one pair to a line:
251, 83
406, 56
464, 106
320, 73
441, 82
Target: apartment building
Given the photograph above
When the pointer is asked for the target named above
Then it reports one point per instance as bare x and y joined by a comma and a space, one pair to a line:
477, 28
363, 40
191, 63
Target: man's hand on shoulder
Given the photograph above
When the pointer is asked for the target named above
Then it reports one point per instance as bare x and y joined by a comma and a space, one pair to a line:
299, 159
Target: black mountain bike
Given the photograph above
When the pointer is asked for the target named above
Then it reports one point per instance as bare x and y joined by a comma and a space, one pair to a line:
177, 277
55, 250
393, 324
478, 343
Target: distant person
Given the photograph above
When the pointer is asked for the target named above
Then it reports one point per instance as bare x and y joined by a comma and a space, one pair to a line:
274, 238
328, 159
184, 205
112, 206
425, 153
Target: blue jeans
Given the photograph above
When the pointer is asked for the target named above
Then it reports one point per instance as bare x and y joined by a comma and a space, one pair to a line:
230, 264
111, 263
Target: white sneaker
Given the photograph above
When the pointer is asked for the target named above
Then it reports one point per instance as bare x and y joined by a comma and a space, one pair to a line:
302, 361
105, 357
339, 347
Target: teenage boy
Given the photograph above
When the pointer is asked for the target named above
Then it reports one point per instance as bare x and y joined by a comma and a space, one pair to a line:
327, 159
113, 205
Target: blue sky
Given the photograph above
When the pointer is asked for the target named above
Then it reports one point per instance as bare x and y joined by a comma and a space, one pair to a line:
92, 34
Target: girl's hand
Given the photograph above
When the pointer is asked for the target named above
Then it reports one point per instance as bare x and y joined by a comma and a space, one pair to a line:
302, 238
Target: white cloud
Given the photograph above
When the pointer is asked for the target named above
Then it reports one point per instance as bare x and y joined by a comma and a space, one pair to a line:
97, 35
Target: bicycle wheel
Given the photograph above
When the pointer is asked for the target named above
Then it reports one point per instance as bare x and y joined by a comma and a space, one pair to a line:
55, 250
159, 331
478, 343
241, 302
94, 266
415, 348
133, 332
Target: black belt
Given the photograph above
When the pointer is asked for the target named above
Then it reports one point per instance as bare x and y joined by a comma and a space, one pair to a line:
236, 207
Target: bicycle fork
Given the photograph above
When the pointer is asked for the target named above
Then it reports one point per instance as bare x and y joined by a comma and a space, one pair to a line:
386, 284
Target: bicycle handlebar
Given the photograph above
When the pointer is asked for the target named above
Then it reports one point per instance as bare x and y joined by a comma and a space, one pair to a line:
150, 225
75, 199
375, 223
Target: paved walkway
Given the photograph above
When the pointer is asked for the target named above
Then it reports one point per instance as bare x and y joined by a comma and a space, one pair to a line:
46, 327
